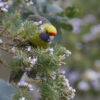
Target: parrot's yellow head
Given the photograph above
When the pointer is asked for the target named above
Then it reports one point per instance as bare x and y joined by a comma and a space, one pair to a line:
50, 29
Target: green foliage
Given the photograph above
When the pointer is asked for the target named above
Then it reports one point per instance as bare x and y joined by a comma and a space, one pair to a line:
54, 88
46, 63
18, 60
51, 89
54, 9
66, 26
60, 50
15, 64
20, 94
13, 22
71, 12
38, 61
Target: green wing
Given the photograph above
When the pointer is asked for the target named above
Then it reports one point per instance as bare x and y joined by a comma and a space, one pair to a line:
28, 29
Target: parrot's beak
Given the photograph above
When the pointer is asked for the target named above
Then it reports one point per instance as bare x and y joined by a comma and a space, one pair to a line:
52, 34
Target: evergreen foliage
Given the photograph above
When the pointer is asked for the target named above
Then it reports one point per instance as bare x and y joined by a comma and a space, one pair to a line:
37, 62
37, 66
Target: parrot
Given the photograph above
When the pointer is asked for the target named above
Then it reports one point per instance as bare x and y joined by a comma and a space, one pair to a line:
44, 36
41, 38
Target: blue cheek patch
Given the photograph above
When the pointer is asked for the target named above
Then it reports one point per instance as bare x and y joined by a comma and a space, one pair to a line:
44, 37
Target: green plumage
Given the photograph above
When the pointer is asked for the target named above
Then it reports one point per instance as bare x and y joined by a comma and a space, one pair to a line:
32, 29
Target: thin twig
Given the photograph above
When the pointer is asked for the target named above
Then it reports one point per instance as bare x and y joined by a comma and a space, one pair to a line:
4, 30
2, 48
